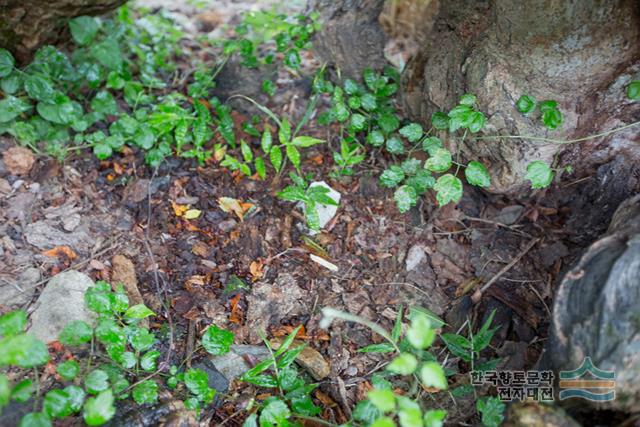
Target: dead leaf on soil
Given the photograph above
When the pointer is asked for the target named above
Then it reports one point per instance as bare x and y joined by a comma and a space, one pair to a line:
229, 204
179, 210
256, 269
61, 252
237, 315
18, 160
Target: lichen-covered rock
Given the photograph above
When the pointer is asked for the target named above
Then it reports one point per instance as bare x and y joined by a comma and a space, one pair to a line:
597, 310
534, 414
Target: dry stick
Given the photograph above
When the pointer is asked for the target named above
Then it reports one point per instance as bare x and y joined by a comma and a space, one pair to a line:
477, 295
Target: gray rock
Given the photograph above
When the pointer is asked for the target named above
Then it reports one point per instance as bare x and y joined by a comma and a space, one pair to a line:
43, 236
596, 312
233, 364
509, 215
71, 222
61, 301
17, 293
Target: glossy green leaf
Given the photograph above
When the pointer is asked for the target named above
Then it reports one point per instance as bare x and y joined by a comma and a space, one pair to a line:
6, 62
57, 404
413, 132
633, 90
375, 138
275, 157
22, 391
526, 104
394, 145
420, 334
392, 176
39, 88
217, 341
305, 141
294, 155
76, 397
84, 29
196, 381
434, 418
145, 392
35, 419
440, 160
68, 370
274, 413
24, 351
440, 120
100, 409
11, 107
384, 400
148, 360
96, 381
432, 375
138, 311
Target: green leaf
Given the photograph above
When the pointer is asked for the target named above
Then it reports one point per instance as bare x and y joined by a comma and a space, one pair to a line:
84, 29
354, 102
458, 345
145, 392
268, 87
392, 176
420, 335
68, 370
432, 375
267, 140
275, 413
35, 419
148, 360
468, 99
477, 174
6, 62
75, 333
383, 422
247, 155
115, 81
13, 323
11, 84
141, 339
261, 169
440, 120
411, 417
76, 397
633, 90
196, 381
358, 122
217, 341
378, 348
405, 197
24, 351
434, 418
102, 151
476, 122
108, 54
492, 410
104, 103
351, 87
539, 173
96, 381
431, 144
552, 118
57, 404
22, 391
11, 107
294, 155
548, 105
405, 364
375, 138
61, 110
388, 122
284, 132
440, 160
305, 141
448, 189
39, 88
421, 181
413, 132
394, 145
138, 311
275, 157
100, 409
526, 104
368, 102
384, 400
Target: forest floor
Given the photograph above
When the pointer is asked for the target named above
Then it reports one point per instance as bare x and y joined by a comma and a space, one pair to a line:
431, 257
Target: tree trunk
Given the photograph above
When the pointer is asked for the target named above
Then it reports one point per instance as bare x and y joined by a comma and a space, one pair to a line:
581, 54
25, 25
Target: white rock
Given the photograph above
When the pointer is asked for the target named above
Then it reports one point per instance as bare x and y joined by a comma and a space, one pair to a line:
326, 212
61, 301
415, 256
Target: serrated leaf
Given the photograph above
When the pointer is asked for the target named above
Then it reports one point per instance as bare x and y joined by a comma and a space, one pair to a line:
420, 334
404, 364
413, 132
266, 141
217, 341
477, 174
432, 375
539, 173
392, 176
75, 333
294, 155
68, 370
275, 157
377, 348
448, 189
96, 381
145, 392
405, 197
439, 161
468, 99
384, 400
305, 141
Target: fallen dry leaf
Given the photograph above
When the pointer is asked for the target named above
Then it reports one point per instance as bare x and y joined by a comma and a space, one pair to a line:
255, 268
236, 312
18, 160
61, 252
192, 214
229, 204
179, 210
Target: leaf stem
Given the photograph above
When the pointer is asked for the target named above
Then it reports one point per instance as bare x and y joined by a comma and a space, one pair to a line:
561, 141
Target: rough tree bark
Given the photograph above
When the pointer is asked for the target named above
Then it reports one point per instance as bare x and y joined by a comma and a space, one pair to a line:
581, 54
25, 25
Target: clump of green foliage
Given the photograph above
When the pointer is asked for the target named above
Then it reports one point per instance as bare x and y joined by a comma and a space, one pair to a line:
115, 359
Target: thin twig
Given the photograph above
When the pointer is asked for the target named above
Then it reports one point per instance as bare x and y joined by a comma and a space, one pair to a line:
478, 294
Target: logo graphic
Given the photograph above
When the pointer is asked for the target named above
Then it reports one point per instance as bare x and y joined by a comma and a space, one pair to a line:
595, 385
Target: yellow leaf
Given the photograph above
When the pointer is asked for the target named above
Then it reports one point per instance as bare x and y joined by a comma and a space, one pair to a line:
229, 204
192, 214
179, 210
